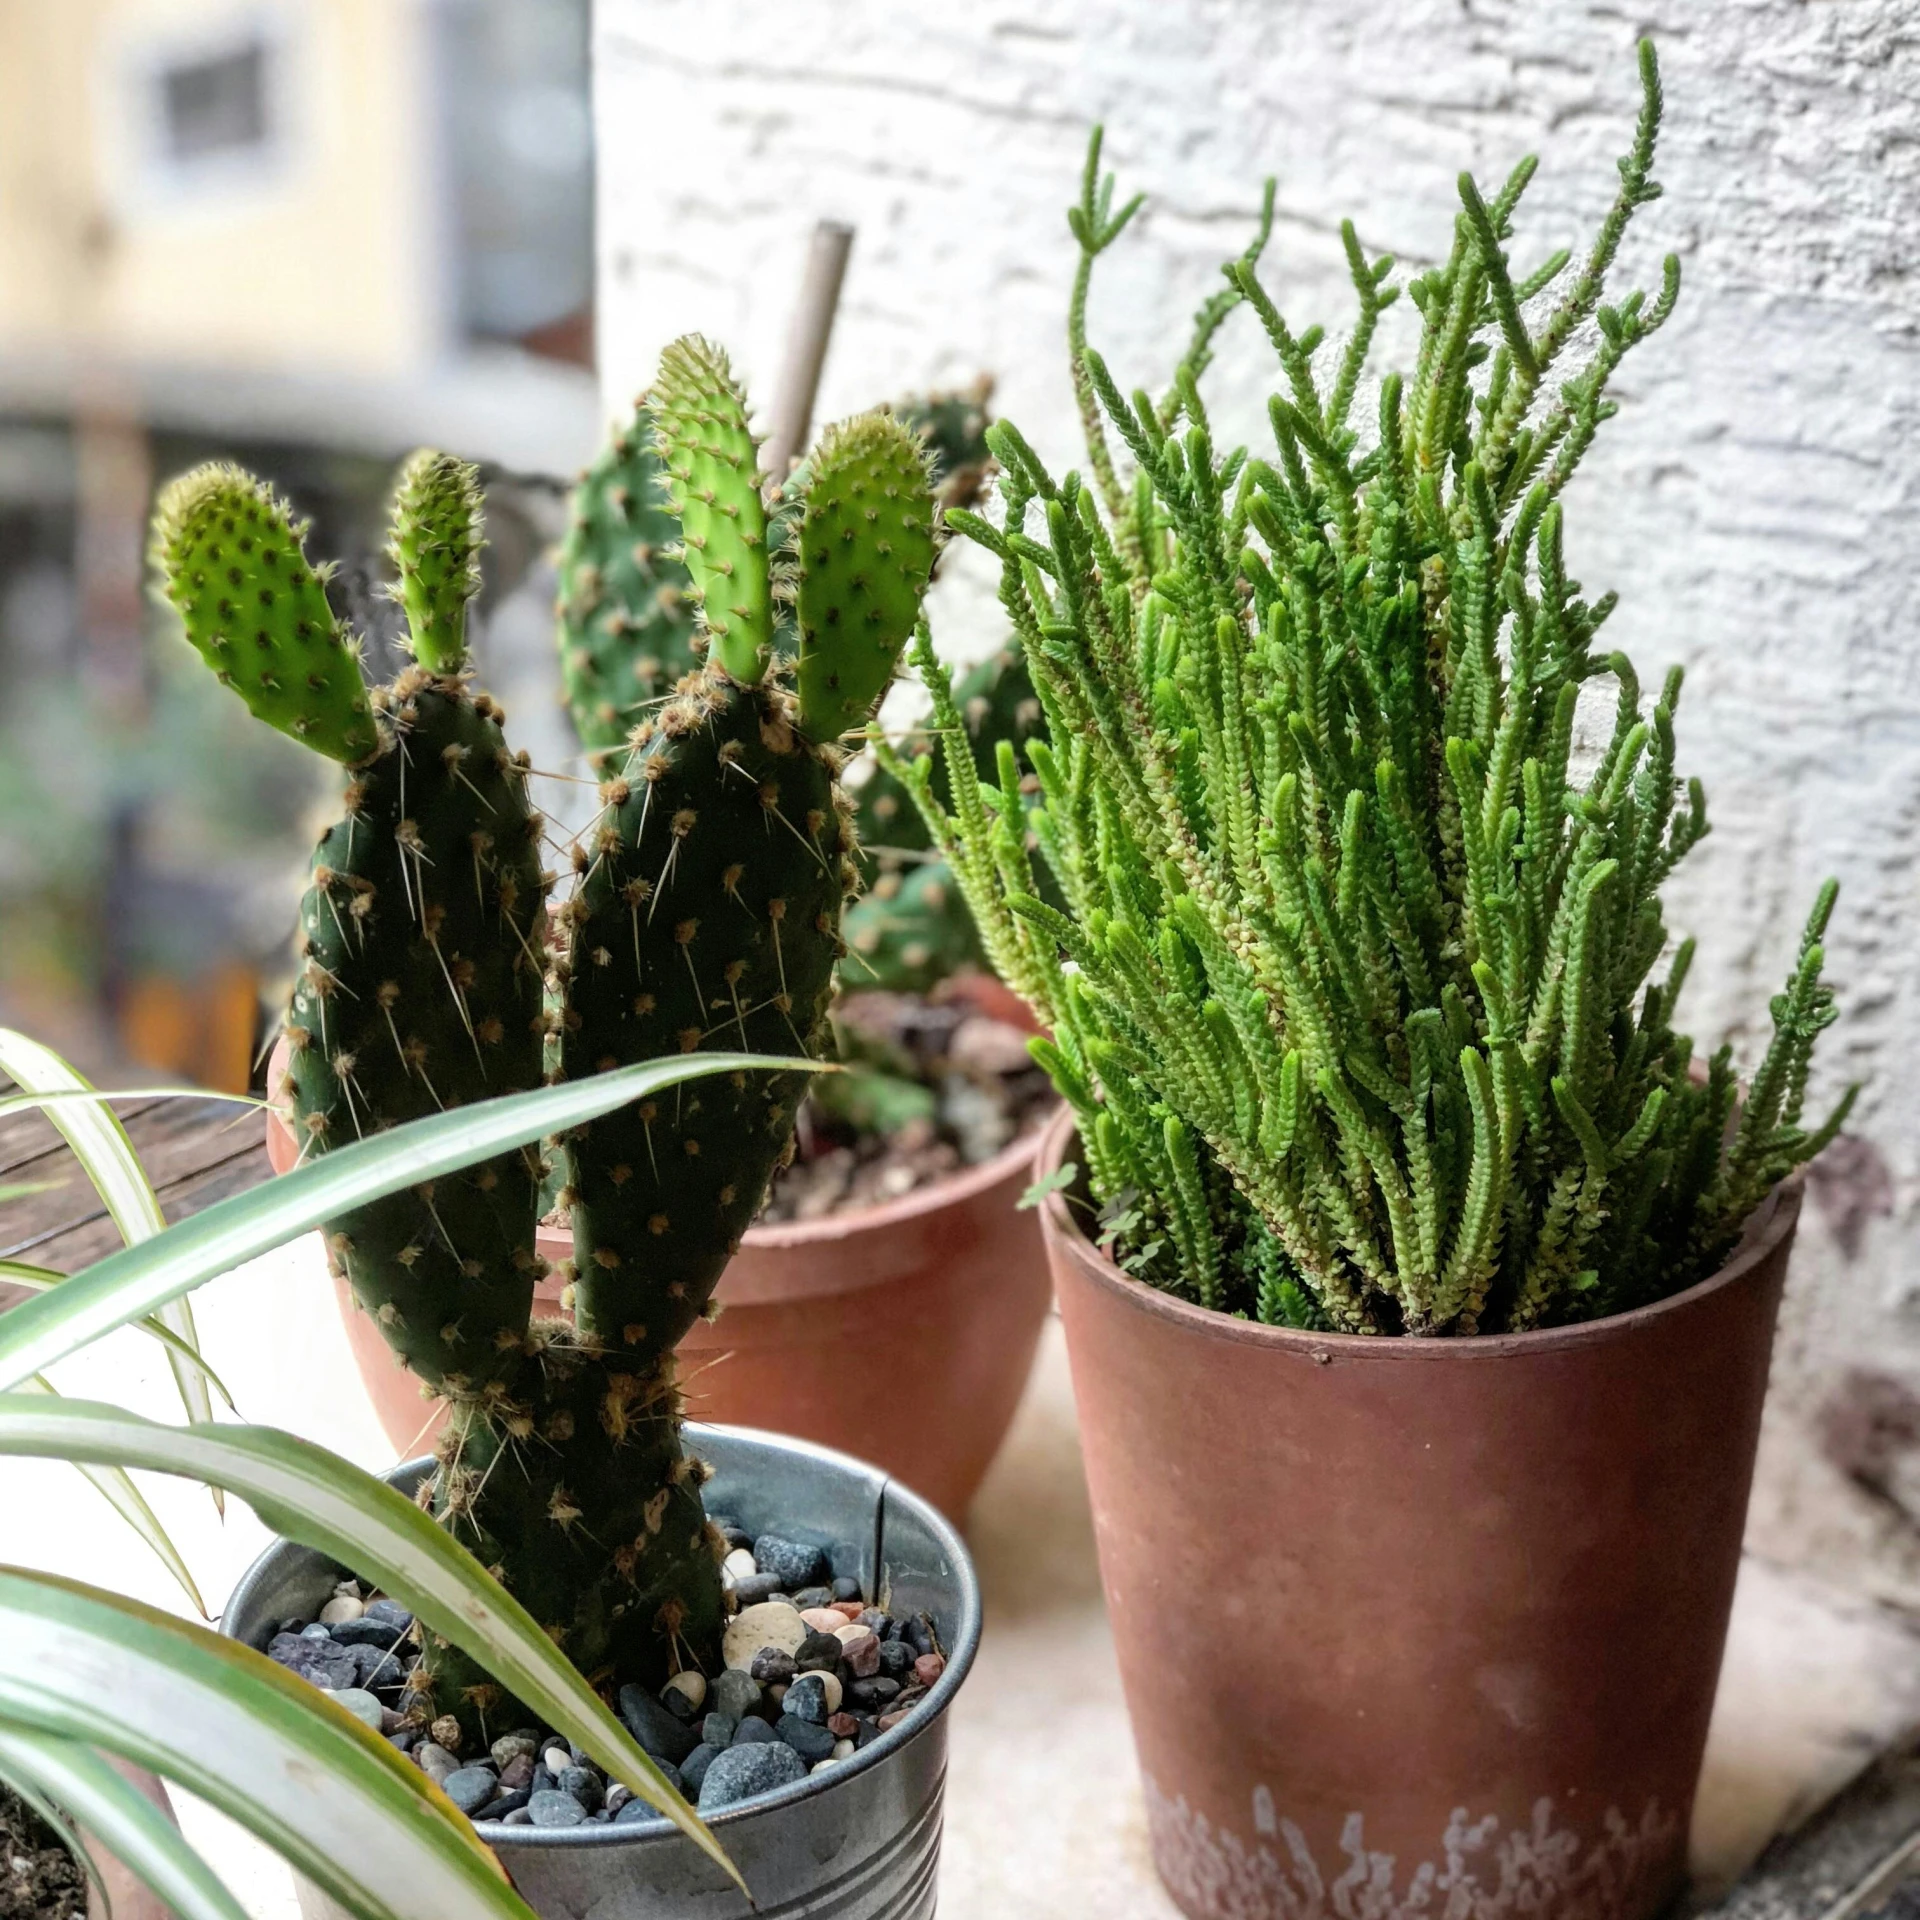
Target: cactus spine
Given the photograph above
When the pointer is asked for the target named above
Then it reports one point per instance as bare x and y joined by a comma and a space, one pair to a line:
707, 915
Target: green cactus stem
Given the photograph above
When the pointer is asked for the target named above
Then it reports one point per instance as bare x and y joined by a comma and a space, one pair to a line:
232, 562
628, 625
713, 486
953, 429
864, 550
434, 547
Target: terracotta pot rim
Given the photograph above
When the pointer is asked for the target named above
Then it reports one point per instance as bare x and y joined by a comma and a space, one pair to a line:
1769, 1223
951, 1189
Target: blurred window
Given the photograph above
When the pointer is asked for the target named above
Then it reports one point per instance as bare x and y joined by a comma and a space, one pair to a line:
215, 106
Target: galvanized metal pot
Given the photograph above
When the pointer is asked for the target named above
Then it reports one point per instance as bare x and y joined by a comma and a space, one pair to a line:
860, 1842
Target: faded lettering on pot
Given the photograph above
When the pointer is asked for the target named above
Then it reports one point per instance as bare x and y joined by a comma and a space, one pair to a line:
1481, 1874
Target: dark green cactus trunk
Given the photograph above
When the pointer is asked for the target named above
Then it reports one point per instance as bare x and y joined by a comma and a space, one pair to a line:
420, 990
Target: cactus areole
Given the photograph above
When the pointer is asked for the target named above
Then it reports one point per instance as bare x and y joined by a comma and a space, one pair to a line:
706, 914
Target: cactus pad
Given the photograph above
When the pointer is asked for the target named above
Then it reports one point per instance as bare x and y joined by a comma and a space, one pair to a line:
953, 429
865, 552
709, 916
627, 626
420, 989
231, 560
435, 550
713, 486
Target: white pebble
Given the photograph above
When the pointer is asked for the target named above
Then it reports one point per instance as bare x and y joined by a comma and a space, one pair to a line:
820, 1766
690, 1686
842, 1749
851, 1632
772, 1623
739, 1565
340, 1609
831, 1681
557, 1759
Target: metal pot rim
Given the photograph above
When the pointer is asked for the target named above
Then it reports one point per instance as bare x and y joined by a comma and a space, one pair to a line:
926, 1715
1770, 1222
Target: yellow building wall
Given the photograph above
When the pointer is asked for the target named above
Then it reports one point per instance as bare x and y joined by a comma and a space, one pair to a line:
322, 257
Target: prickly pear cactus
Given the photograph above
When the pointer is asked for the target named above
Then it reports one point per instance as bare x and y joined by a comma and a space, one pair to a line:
712, 885
628, 628
953, 429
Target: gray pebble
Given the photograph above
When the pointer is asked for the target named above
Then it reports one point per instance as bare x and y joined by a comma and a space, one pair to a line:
510, 1746
659, 1732
806, 1699
693, 1769
634, 1812
716, 1730
585, 1785
797, 1562
434, 1759
771, 1667
812, 1597
470, 1788
366, 1632
519, 1817
552, 1808
503, 1804
618, 1795
756, 1587
741, 1772
751, 1733
736, 1694
391, 1611
818, 1651
364, 1708
846, 1588
808, 1739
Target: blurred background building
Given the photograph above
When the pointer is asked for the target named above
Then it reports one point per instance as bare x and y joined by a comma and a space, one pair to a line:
308, 234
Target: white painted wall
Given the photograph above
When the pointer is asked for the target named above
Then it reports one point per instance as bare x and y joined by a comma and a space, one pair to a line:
1757, 504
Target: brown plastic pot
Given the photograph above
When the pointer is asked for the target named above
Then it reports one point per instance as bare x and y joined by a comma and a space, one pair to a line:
1418, 1625
902, 1333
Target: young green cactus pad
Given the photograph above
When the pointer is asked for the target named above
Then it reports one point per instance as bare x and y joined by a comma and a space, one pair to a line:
713, 486
864, 554
232, 561
628, 626
1352, 989
434, 547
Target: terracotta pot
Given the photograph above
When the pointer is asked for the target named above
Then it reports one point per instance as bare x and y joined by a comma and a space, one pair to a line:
902, 1334
1417, 1625
130, 1898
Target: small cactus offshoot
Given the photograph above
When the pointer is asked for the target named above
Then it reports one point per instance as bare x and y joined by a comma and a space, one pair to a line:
1351, 988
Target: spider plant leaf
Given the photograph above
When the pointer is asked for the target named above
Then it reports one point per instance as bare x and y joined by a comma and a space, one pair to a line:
113, 1811
325, 1792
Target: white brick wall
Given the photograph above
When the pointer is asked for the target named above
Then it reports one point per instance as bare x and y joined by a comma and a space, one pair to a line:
1757, 504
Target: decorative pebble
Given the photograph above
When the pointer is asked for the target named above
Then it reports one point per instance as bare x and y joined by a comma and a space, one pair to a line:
341, 1609
843, 1726
888, 1721
314, 1630
377, 1667
693, 1769
585, 1786
811, 1597
557, 1758
842, 1750
503, 1804
691, 1686
896, 1658
735, 1694
470, 1788
517, 1773
752, 1733
807, 1738
390, 1611
367, 1632
918, 1634
618, 1795
824, 1619
742, 1772
877, 1692
928, 1668
739, 1565
552, 1808
771, 1667
362, 1705
875, 1618
657, 1730
845, 1588
519, 1817
446, 1732
806, 1699
434, 1760
798, 1563
773, 1623
817, 1650
861, 1651
850, 1610
730, 1530
634, 1812
756, 1588
716, 1730
513, 1746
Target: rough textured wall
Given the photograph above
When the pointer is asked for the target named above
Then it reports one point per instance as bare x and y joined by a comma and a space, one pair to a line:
1755, 503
